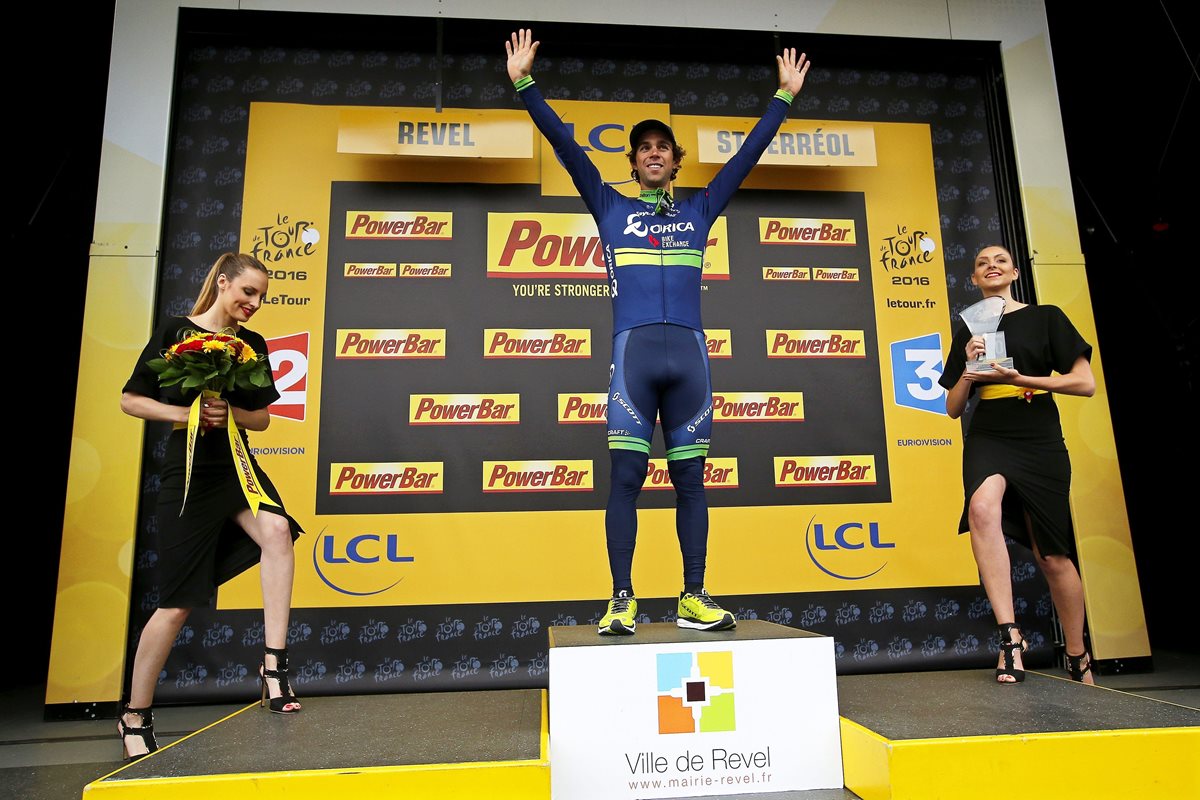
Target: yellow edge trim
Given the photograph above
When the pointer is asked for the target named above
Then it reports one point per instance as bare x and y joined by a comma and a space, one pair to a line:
1047, 735
544, 744
172, 744
542, 760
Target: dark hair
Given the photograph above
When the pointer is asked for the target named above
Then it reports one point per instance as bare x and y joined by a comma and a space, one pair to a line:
230, 265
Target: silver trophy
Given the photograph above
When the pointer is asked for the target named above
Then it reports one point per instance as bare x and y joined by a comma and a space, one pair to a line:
983, 319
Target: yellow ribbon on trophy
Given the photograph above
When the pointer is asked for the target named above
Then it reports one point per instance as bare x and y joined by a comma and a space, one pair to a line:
248, 479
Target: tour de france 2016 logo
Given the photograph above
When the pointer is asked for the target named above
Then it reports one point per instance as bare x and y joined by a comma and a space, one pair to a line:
695, 692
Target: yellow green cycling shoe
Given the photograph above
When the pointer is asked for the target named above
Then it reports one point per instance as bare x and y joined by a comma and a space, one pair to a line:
621, 617
700, 612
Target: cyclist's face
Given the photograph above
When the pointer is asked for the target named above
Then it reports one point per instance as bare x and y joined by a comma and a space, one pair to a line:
655, 160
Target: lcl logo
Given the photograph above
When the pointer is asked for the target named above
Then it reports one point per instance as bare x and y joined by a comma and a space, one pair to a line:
853, 536
362, 549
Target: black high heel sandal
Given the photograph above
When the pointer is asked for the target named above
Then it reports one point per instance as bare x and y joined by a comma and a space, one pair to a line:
278, 705
1078, 666
145, 732
1009, 648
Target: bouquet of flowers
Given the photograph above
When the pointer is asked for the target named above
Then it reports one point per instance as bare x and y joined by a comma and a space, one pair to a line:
217, 362
214, 363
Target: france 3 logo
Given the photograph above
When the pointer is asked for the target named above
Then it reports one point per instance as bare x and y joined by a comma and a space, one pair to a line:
916, 368
289, 367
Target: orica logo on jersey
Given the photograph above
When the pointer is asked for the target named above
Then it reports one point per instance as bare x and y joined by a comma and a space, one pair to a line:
361, 564
916, 368
636, 224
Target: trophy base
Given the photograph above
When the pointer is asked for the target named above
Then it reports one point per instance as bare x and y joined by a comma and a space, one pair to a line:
986, 366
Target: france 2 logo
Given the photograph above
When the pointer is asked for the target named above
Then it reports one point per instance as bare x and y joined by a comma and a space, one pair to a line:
289, 367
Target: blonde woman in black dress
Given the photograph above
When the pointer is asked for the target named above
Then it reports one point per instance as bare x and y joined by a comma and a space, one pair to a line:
217, 536
1016, 471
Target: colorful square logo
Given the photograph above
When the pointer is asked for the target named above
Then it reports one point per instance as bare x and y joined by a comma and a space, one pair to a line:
695, 692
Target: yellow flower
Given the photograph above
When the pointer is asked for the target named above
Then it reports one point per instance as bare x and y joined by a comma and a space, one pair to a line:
213, 345
248, 353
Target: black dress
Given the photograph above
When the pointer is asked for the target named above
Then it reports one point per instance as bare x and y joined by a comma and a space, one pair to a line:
1022, 439
204, 547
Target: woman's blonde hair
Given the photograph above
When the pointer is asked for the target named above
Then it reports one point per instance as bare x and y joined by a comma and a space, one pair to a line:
230, 265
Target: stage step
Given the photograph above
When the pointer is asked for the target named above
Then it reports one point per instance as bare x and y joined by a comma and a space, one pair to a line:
959, 735
444, 745
671, 712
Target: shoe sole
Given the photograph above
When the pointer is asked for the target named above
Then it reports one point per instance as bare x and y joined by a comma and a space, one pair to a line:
617, 629
724, 624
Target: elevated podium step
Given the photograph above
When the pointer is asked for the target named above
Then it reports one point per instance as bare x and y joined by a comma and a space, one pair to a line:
671, 712
443, 745
923, 735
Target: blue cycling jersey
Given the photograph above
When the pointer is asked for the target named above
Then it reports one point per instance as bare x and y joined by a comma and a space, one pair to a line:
655, 261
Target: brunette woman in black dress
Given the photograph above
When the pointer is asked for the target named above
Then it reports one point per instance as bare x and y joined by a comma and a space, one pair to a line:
1016, 471
217, 536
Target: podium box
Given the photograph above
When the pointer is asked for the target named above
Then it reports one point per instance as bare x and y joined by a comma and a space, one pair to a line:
671, 712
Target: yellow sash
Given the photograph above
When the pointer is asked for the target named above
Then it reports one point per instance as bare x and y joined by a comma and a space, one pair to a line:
251, 486
999, 391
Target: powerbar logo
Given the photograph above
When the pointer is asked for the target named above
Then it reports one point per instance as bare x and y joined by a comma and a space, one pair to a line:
537, 343
399, 225
464, 409
578, 409
370, 271
825, 470
719, 342
787, 274
815, 344
544, 246
392, 270
719, 473
845, 275
415, 477
391, 343
537, 476
758, 407
834, 232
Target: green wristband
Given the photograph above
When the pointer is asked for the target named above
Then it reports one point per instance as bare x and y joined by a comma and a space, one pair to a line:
785, 96
521, 83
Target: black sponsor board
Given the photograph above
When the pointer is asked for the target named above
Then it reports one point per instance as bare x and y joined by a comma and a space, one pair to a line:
365, 402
